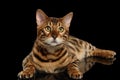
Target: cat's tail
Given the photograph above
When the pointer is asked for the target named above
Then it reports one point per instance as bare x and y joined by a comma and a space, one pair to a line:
103, 53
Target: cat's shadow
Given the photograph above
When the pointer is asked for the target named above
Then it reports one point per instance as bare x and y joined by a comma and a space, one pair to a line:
85, 65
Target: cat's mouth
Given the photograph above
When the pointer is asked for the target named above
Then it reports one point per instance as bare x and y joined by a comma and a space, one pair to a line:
53, 42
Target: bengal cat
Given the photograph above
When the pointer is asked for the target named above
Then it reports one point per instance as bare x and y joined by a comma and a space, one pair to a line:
54, 50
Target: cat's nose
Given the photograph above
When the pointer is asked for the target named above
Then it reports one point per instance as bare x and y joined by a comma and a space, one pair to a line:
54, 36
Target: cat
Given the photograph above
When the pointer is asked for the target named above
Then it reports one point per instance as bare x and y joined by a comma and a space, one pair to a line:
54, 50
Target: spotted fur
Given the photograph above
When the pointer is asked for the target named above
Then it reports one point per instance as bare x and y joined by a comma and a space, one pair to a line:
55, 50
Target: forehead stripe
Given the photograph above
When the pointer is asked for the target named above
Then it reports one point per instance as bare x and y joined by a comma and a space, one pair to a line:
54, 21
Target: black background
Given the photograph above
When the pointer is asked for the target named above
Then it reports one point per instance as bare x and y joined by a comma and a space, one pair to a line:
94, 21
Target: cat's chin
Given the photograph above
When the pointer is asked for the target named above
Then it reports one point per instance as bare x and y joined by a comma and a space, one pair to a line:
54, 44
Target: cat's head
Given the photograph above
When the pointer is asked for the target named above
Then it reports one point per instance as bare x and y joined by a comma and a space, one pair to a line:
52, 31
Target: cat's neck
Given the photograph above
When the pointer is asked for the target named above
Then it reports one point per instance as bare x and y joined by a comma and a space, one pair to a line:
53, 49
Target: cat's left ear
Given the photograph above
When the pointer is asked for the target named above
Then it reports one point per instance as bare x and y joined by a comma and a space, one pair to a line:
67, 19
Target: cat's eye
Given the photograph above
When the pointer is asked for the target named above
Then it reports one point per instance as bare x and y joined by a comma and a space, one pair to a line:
61, 29
47, 28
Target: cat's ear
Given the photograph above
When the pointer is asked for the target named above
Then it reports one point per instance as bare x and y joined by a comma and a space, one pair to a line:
67, 19
40, 17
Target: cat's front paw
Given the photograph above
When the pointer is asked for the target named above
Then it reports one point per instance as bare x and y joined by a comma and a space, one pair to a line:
27, 73
76, 74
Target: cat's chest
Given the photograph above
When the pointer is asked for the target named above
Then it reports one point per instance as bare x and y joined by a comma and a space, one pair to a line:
54, 67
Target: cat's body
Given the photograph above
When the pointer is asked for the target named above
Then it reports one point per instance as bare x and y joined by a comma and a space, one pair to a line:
55, 50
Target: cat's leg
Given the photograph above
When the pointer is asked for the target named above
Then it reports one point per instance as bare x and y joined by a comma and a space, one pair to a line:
103, 53
74, 71
100, 60
28, 68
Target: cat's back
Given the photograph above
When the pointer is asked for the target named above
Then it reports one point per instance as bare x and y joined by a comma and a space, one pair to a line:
78, 43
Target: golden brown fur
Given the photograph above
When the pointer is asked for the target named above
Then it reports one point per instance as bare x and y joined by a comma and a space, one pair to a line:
55, 50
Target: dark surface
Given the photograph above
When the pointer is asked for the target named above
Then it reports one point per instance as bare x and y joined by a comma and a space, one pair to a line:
93, 21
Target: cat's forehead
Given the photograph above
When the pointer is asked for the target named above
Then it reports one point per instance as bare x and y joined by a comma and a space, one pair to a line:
54, 21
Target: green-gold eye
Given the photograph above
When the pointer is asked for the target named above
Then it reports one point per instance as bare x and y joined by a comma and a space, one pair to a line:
47, 28
60, 29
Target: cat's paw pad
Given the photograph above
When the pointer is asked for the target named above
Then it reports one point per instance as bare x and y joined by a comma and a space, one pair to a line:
25, 74
75, 75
